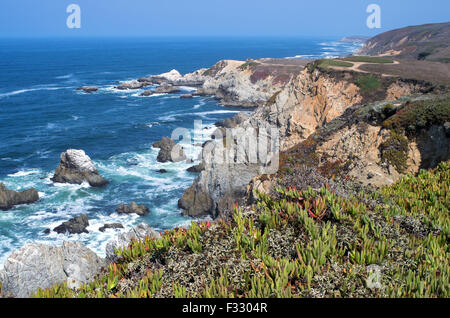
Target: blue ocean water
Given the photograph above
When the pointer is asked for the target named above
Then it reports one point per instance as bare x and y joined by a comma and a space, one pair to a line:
42, 115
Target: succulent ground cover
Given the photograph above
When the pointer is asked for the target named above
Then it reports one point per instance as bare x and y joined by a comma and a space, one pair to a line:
313, 243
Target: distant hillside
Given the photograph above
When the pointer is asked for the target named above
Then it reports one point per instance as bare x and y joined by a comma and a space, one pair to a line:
355, 38
429, 42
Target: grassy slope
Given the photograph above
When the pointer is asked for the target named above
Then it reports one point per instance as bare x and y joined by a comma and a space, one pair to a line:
299, 244
423, 42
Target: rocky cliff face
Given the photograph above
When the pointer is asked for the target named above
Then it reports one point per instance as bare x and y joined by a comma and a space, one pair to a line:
237, 83
308, 102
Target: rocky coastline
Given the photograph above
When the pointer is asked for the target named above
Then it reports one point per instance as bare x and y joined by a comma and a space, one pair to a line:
330, 127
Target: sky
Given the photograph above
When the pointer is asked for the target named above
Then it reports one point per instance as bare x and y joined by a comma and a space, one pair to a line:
130, 18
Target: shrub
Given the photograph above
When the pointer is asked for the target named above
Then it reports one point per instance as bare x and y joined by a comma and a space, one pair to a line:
368, 83
369, 59
395, 151
419, 115
247, 65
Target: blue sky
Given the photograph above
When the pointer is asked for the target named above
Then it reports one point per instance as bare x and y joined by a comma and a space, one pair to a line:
43, 18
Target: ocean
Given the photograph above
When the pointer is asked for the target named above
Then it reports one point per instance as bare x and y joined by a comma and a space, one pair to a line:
42, 114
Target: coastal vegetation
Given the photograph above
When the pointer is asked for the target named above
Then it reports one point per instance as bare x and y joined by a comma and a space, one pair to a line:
311, 243
368, 83
248, 64
369, 59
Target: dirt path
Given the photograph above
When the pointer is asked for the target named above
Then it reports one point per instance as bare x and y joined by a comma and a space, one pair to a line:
356, 67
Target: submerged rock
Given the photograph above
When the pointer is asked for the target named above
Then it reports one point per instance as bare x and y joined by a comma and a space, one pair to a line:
76, 225
187, 96
138, 209
111, 226
38, 266
76, 167
10, 198
170, 151
88, 89
137, 233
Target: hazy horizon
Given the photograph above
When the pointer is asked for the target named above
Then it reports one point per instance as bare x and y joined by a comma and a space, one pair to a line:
212, 18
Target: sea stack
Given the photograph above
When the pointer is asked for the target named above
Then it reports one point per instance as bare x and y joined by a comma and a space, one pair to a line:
76, 167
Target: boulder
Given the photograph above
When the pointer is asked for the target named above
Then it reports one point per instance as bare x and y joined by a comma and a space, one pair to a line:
197, 168
10, 198
137, 233
38, 266
76, 167
170, 151
186, 96
138, 209
113, 226
162, 171
233, 122
167, 89
195, 202
76, 225
88, 89
147, 93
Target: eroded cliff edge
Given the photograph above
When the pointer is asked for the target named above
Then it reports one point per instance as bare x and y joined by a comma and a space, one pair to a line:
327, 103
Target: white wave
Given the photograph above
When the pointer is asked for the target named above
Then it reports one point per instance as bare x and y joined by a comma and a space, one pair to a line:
22, 91
65, 76
188, 88
23, 173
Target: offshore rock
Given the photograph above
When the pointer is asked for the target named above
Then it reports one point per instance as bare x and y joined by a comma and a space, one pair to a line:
169, 151
76, 167
10, 198
76, 225
88, 89
140, 209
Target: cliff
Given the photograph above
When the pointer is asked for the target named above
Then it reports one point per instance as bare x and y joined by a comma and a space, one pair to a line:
308, 102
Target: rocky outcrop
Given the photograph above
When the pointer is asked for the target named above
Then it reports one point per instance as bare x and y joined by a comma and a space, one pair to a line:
38, 266
169, 151
239, 83
135, 208
229, 165
133, 85
76, 225
113, 226
137, 233
75, 168
197, 168
233, 122
308, 102
166, 89
88, 89
10, 198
